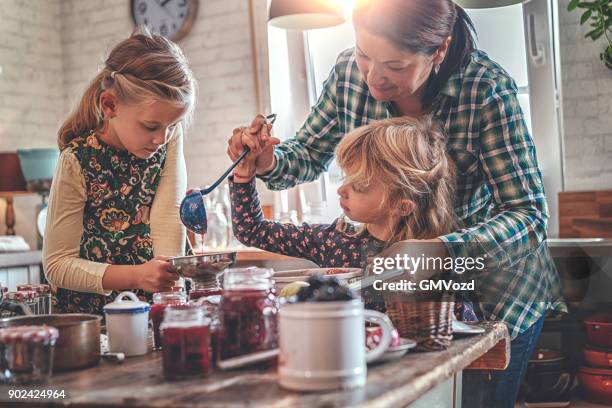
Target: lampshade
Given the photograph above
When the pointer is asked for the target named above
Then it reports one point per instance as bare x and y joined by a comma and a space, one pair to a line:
305, 14
480, 4
11, 176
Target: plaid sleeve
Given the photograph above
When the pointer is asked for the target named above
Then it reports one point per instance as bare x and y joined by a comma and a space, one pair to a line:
508, 158
307, 155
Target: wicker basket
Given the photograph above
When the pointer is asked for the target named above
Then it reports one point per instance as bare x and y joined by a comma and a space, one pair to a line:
426, 318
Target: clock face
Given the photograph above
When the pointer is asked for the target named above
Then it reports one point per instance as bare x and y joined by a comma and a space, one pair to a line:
170, 18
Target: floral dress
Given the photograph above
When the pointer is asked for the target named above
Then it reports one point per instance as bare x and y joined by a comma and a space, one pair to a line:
120, 189
327, 245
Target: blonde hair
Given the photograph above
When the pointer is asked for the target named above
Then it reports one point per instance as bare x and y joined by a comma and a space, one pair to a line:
408, 157
144, 67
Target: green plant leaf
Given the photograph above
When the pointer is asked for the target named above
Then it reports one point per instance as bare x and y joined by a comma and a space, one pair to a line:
572, 5
594, 34
585, 16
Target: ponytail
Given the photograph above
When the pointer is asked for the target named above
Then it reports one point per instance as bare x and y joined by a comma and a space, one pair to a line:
86, 116
462, 44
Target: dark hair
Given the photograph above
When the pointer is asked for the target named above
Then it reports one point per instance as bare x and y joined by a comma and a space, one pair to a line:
421, 26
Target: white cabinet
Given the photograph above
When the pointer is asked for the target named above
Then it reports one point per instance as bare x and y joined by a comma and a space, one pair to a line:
19, 268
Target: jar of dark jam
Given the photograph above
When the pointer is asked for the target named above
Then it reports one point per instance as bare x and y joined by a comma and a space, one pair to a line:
185, 337
210, 305
161, 300
210, 286
247, 313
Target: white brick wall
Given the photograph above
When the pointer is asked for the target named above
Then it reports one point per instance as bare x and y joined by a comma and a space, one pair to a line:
31, 102
587, 107
31, 78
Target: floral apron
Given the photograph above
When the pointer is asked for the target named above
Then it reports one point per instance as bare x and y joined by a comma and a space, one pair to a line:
120, 190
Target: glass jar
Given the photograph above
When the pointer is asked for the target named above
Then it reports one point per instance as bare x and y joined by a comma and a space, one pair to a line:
185, 334
210, 305
207, 286
26, 353
161, 300
43, 296
247, 313
216, 234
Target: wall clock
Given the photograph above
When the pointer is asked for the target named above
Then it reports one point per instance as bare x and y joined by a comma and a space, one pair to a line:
171, 18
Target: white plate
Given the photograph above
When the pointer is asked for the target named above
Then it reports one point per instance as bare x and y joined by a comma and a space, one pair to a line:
396, 352
41, 220
282, 278
464, 328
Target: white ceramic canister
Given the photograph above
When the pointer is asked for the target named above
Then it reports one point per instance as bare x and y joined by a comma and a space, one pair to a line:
322, 344
127, 325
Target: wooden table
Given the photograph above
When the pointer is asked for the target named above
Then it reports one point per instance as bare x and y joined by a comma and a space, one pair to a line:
417, 379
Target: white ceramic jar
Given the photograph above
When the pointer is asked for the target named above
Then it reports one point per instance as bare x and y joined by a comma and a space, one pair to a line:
127, 324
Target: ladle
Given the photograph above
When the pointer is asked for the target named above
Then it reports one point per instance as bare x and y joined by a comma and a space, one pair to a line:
193, 209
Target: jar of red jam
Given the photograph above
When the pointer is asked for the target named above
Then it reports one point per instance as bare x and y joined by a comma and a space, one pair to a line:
185, 336
26, 353
247, 313
161, 300
210, 305
209, 286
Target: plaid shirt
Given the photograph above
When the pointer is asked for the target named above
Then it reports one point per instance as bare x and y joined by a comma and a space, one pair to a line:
500, 196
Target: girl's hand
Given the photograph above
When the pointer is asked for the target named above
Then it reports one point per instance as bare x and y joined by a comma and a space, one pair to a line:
155, 275
257, 137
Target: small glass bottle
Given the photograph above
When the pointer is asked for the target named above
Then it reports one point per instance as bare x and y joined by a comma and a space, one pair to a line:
161, 300
185, 334
247, 313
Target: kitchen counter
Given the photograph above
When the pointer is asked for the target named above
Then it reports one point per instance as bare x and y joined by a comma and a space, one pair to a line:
580, 247
420, 379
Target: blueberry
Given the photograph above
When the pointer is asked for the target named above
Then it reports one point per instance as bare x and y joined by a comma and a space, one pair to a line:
316, 280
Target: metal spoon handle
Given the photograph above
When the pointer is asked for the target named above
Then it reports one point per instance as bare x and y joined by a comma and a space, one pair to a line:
227, 172
270, 119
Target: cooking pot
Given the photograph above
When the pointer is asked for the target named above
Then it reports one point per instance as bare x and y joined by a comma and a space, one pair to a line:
548, 377
599, 329
597, 384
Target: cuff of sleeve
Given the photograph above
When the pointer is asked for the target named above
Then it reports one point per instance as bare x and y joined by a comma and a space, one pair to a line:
453, 245
97, 273
275, 173
465, 244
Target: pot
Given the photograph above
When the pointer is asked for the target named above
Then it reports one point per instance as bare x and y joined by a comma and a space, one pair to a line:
548, 377
597, 384
78, 345
599, 329
598, 356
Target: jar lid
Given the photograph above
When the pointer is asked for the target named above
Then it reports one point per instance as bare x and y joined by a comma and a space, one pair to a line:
169, 298
41, 288
134, 305
20, 295
24, 287
34, 334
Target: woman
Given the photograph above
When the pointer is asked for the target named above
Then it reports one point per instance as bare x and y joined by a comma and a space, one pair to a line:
418, 57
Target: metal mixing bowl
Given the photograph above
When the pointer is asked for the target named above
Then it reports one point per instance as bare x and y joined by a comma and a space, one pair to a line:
203, 266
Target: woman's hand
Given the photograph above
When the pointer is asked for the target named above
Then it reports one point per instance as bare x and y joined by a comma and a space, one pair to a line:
257, 137
155, 275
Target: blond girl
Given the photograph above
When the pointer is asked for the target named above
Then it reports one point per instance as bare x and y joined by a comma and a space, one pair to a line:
113, 208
